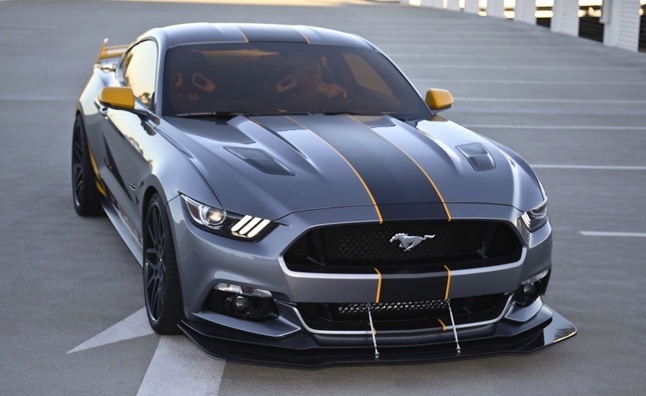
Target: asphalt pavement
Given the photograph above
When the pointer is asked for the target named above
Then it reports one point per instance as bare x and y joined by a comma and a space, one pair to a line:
70, 292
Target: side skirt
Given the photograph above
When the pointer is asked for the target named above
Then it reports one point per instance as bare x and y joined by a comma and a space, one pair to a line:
123, 230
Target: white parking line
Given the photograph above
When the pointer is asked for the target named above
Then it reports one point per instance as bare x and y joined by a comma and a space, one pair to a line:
614, 234
180, 368
558, 127
134, 326
36, 98
506, 67
177, 368
551, 100
529, 82
589, 167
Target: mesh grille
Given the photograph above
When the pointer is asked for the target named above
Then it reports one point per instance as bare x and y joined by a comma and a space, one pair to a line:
411, 306
402, 315
343, 248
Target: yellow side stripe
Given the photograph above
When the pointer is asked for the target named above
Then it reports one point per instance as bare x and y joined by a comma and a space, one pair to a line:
378, 286
365, 186
448, 283
97, 180
437, 191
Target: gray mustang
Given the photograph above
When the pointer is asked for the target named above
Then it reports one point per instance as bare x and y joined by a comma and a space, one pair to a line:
292, 199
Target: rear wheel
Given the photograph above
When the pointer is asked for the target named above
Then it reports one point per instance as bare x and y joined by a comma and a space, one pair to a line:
161, 277
86, 196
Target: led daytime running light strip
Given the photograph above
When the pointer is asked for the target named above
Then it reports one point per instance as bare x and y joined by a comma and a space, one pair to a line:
526, 219
249, 227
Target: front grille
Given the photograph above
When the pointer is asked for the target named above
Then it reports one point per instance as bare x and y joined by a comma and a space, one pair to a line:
360, 248
409, 315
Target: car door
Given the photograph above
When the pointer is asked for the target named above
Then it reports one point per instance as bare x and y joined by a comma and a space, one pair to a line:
127, 135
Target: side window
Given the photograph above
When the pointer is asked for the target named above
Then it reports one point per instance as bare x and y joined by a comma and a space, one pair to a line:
140, 71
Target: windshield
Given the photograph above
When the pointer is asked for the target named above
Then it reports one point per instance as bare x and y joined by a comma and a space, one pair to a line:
285, 78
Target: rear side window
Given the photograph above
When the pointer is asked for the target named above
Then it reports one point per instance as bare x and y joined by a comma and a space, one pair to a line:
140, 71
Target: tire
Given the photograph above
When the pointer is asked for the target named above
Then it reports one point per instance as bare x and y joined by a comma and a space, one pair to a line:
162, 289
87, 200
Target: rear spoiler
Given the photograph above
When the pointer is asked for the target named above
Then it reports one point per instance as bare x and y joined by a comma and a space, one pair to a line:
110, 51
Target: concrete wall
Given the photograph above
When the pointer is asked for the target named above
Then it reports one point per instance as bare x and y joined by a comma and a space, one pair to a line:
622, 21
525, 11
566, 17
472, 6
496, 8
621, 17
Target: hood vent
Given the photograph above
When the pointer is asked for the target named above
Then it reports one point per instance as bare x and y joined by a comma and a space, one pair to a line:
260, 160
478, 156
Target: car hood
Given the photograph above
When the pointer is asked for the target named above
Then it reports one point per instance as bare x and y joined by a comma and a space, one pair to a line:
271, 166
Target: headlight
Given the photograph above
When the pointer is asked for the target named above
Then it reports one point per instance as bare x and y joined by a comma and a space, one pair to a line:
204, 215
221, 222
536, 218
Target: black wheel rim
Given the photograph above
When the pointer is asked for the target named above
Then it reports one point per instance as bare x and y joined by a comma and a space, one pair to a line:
154, 265
77, 165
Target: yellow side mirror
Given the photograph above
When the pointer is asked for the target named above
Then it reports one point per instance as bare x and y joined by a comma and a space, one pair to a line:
439, 99
118, 97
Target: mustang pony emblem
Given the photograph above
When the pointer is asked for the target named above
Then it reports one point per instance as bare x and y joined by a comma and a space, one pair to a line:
407, 242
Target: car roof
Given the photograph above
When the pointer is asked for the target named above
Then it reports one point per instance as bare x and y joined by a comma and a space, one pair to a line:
195, 33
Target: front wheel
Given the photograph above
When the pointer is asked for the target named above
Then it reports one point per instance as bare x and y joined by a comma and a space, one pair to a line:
162, 289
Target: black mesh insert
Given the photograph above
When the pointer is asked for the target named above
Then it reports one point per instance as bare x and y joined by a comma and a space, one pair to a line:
360, 248
406, 315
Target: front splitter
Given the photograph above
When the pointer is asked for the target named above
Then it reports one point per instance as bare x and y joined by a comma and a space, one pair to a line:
302, 350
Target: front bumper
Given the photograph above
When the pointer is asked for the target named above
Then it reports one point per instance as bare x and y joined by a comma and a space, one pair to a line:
546, 328
291, 338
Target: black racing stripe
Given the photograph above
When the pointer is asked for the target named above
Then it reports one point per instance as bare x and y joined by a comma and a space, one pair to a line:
412, 211
418, 289
392, 177
266, 33
208, 32
277, 124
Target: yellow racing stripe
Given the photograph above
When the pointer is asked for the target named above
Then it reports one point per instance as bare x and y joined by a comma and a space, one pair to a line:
244, 36
378, 286
448, 282
304, 36
443, 325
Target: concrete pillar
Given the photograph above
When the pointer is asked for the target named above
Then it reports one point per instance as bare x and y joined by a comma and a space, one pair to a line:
496, 8
621, 18
525, 11
432, 3
566, 17
472, 6
453, 5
